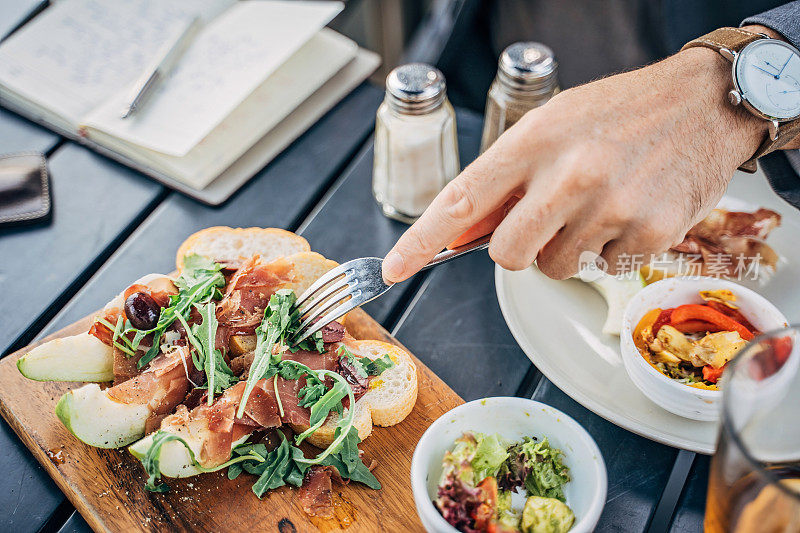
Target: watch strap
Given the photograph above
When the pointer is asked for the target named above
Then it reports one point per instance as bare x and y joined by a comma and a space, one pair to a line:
786, 132
735, 39
731, 38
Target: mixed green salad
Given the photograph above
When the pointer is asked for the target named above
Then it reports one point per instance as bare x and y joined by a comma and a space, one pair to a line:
489, 484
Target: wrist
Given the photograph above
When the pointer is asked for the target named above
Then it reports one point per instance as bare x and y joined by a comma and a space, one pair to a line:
732, 129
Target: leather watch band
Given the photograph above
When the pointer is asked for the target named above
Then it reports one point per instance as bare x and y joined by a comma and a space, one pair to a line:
735, 39
730, 38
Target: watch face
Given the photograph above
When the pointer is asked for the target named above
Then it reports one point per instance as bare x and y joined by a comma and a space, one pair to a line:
767, 73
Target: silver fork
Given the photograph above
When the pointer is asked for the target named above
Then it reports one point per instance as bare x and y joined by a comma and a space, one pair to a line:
354, 283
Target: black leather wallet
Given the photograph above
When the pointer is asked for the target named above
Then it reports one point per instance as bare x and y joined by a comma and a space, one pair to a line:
24, 189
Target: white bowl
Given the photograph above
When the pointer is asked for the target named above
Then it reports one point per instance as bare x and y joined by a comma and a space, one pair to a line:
675, 397
513, 418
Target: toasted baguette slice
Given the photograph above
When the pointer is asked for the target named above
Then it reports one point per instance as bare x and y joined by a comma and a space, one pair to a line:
222, 242
391, 397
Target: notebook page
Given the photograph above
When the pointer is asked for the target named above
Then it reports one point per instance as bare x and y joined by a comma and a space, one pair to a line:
77, 53
232, 56
316, 62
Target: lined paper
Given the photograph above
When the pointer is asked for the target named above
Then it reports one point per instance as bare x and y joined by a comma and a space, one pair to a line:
79, 53
232, 56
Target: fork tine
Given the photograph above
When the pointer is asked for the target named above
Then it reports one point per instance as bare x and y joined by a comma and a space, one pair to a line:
335, 287
338, 312
343, 297
326, 278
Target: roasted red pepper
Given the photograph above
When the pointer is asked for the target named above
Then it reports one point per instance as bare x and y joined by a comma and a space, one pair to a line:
697, 326
662, 320
705, 313
712, 374
733, 313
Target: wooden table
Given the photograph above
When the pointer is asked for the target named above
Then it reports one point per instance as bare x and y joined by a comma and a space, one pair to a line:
111, 224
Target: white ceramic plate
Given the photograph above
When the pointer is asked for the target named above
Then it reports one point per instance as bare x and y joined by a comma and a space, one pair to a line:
558, 325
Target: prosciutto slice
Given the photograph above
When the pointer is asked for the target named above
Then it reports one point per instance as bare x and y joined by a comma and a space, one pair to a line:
161, 387
288, 389
316, 493
248, 291
731, 240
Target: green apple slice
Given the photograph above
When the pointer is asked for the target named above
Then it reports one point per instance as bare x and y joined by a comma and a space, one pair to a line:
78, 358
97, 419
174, 459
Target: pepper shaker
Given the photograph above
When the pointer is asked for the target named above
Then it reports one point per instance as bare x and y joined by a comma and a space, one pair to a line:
526, 78
416, 151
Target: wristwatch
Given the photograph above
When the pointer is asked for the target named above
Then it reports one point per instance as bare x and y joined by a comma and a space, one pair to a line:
766, 82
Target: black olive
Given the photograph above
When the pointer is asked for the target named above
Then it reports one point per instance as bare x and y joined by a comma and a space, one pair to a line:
142, 311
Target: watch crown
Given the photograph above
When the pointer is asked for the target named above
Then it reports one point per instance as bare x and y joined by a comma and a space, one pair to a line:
735, 97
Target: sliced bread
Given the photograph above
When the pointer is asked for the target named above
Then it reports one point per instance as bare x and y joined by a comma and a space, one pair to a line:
389, 400
224, 243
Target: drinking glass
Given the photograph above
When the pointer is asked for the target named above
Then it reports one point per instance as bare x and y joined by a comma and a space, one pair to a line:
754, 484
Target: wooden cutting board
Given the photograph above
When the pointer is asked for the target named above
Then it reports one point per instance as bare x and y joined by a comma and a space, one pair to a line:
107, 486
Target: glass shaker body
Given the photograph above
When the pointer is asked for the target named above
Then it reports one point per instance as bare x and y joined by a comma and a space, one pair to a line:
416, 155
526, 79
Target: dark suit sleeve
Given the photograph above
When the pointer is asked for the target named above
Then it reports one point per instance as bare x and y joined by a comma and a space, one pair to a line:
782, 175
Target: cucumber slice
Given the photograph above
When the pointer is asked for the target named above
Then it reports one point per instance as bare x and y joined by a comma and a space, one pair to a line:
95, 418
78, 358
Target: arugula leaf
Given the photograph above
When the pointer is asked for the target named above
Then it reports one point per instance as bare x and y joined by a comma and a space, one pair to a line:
234, 470
375, 367
311, 343
348, 461
206, 334
277, 318
297, 471
195, 269
277, 466
152, 459
311, 393
356, 363
323, 406
364, 365
197, 284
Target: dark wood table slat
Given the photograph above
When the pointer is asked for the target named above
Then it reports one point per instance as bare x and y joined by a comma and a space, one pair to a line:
15, 12
638, 468
94, 202
691, 509
75, 524
28, 496
456, 328
18, 134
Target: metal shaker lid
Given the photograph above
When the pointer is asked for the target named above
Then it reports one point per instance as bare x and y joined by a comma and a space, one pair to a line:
415, 88
528, 65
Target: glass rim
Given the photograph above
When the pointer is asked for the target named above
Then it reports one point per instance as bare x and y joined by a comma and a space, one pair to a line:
727, 423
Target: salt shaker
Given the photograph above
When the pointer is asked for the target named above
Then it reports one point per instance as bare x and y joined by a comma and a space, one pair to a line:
416, 152
526, 78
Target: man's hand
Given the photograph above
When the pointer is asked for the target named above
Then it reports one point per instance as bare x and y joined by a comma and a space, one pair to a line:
623, 165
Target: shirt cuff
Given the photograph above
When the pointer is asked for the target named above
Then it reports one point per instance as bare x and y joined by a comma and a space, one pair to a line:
783, 19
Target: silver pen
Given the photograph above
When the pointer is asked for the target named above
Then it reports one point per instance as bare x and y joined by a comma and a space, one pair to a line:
166, 58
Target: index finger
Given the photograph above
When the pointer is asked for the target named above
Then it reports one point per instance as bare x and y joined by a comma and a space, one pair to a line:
469, 198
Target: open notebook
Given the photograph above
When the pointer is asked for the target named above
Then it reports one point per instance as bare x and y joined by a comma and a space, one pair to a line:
257, 75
